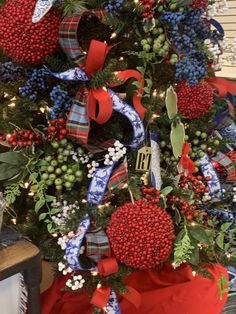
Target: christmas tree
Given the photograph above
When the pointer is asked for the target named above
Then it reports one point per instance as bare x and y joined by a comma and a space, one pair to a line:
117, 139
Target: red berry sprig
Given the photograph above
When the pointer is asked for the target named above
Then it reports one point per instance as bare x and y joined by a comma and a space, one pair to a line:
148, 12
57, 129
190, 212
195, 184
151, 194
23, 138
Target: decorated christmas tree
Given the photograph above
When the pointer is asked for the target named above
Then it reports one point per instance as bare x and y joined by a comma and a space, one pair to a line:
117, 144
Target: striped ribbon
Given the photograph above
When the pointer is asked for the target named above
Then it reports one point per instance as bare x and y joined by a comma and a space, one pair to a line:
226, 162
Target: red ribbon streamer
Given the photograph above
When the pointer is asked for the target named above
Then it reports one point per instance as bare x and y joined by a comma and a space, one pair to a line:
101, 296
222, 86
108, 266
185, 161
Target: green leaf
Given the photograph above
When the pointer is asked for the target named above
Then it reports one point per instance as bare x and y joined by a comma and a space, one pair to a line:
177, 216
220, 240
194, 259
50, 198
137, 84
177, 136
8, 171
39, 204
34, 188
13, 158
42, 216
171, 102
199, 234
33, 176
225, 226
166, 190
141, 70
54, 210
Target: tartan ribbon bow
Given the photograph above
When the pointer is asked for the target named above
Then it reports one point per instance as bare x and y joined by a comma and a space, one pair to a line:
90, 103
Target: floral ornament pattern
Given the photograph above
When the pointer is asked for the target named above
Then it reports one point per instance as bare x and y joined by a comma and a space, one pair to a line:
232, 278
229, 132
211, 177
155, 162
74, 244
113, 304
41, 9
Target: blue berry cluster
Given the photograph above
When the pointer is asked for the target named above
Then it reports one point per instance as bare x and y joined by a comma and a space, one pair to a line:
9, 72
114, 6
188, 31
34, 84
62, 102
191, 68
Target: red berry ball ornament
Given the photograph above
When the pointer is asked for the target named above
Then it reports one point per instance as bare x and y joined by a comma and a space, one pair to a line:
199, 4
141, 234
194, 101
24, 41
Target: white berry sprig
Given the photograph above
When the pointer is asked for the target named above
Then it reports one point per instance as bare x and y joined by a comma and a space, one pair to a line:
115, 153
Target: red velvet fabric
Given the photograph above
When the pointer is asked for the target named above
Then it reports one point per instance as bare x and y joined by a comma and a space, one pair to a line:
164, 291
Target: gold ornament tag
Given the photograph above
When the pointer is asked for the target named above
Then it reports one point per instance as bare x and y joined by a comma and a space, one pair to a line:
143, 162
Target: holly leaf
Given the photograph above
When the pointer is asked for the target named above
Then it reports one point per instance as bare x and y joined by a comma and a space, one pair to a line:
194, 259
225, 226
220, 240
13, 158
171, 102
166, 190
198, 233
8, 171
177, 136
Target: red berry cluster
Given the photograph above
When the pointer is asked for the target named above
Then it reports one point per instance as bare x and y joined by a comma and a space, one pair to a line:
148, 12
199, 4
232, 155
195, 184
23, 138
185, 209
57, 129
24, 41
141, 234
194, 101
151, 194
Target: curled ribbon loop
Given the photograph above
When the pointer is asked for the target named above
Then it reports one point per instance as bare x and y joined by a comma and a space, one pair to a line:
74, 244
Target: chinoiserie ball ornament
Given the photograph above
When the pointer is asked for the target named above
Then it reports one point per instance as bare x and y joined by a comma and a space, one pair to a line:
141, 234
24, 41
195, 100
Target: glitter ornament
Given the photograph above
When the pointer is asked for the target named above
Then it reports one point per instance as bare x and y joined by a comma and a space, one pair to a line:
194, 101
24, 41
141, 234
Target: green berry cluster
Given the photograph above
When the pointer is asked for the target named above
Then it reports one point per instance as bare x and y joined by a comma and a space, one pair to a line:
158, 43
59, 168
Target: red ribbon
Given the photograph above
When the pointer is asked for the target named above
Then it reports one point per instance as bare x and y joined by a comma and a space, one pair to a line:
101, 296
94, 62
222, 86
108, 266
185, 161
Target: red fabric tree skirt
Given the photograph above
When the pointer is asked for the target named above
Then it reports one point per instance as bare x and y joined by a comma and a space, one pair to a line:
164, 291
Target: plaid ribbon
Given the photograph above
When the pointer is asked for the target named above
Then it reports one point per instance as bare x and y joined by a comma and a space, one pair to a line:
68, 37
118, 178
97, 244
226, 162
78, 121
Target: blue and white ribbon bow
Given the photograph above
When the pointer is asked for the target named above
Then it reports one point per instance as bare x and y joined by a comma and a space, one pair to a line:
155, 161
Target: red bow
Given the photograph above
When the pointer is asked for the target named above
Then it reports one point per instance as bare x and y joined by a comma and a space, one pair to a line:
185, 162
